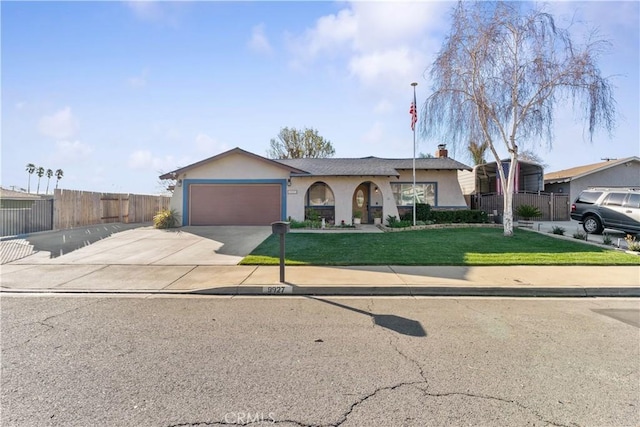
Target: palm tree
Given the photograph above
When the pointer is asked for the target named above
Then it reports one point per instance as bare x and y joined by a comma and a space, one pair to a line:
40, 173
49, 174
477, 152
59, 175
31, 168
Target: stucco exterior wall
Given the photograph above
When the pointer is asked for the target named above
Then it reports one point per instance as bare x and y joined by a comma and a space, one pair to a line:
449, 194
343, 189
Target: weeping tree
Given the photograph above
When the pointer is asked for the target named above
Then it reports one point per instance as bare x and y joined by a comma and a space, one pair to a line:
499, 76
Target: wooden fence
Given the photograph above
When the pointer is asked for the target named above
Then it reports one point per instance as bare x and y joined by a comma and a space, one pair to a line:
554, 207
74, 208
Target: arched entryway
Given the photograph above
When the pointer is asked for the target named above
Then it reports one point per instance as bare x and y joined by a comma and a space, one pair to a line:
366, 202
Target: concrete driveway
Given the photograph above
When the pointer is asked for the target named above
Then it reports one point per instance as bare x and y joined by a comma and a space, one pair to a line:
147, 246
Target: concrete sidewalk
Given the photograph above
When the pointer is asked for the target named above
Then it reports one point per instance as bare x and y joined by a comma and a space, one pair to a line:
569, 281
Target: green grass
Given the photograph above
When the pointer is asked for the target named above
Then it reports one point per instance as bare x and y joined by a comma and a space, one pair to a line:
463, 246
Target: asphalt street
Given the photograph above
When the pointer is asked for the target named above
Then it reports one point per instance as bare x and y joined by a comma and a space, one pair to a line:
303, 361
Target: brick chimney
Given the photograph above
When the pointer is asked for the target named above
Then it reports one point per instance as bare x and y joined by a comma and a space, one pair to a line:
442, 151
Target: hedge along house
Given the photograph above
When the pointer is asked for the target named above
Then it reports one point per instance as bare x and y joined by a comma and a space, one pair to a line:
241, 188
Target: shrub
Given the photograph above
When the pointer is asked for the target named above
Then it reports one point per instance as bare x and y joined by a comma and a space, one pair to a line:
391, 219
558, 230
579, 235
606, 239
527, 212
632, 244
166, 219
312, 215
460, 216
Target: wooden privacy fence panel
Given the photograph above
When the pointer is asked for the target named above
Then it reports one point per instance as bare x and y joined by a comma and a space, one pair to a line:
554, 207
74, 208
37, 217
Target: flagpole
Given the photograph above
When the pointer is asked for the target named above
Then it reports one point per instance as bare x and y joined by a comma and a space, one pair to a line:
414, 84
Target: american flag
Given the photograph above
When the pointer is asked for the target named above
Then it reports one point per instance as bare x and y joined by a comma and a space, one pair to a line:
414, 113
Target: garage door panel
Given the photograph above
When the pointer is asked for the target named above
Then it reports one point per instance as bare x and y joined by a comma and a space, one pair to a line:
234, 204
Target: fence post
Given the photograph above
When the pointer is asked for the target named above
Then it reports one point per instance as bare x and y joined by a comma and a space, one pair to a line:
552, 205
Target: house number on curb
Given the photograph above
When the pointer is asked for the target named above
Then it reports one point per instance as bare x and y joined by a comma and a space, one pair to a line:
284, 289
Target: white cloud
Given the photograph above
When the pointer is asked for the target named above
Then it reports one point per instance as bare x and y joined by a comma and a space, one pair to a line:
145, 160
59, 125
377, 50
394, 66
163, 12
381, 46
145, 9
208, 145
259, 41
375, 134
383, 107
72, 150
139, 81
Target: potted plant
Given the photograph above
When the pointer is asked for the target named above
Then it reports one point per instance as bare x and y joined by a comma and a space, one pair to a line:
357, 217
526, 212
377, 217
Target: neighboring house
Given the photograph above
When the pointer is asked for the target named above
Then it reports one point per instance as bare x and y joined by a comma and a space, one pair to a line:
16, 199
484, 179
22, 212
612, 173
241, 188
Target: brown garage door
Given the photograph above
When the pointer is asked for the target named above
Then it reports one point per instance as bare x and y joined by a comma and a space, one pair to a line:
234, 204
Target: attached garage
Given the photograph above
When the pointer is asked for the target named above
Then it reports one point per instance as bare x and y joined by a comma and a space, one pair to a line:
235, 204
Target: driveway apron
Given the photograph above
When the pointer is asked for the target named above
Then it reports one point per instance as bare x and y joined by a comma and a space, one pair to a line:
206, 245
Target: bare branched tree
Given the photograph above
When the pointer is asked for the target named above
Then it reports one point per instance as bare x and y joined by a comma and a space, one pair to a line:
499, 76
296, 144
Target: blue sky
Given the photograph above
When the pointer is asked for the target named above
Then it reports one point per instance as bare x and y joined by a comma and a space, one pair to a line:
115, 92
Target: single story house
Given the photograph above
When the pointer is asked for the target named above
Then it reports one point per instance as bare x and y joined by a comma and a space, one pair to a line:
242, 188
610, 173
16, 199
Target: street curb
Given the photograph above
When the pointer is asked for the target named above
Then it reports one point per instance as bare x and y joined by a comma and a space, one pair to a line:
386, 291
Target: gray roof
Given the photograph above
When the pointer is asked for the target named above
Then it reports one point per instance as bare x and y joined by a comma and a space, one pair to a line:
369, 166
17, 195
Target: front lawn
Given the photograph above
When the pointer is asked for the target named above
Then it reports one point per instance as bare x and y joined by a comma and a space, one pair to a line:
459, 246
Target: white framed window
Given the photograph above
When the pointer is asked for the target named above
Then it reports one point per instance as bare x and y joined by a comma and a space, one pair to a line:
320, 194
425, 193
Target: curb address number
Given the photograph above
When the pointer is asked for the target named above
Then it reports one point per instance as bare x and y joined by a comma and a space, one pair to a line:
276, 290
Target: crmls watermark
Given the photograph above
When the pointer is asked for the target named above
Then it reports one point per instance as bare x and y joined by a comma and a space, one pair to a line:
244, 418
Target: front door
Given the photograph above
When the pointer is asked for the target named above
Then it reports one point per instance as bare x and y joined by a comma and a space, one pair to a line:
361, 202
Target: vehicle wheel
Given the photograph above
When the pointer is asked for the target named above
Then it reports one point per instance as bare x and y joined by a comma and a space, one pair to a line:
592, 225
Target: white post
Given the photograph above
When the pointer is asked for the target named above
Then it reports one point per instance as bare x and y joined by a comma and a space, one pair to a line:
413, 127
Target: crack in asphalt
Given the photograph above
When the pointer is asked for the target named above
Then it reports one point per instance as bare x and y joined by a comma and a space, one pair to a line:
44, 321
499, 399
259, 422
360, 401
